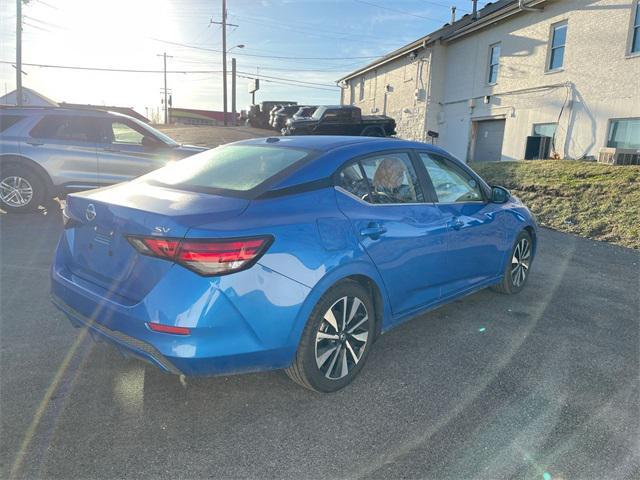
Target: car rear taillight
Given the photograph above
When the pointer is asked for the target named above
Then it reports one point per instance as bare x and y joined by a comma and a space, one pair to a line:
205, 256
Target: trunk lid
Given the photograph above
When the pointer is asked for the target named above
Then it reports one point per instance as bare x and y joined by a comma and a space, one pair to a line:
102, 219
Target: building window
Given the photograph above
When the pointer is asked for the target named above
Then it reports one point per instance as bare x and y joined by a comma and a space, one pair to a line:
361, 90
635, 30
494, 63
352, 93
544, 129
558, 41
624, 133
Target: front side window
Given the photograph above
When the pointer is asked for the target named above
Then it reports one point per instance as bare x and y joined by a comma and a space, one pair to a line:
65, 128
635, 30
494, 63
451, 183
544, 129
233, 167
123, 133
392, 179
624, 133
383, 179
558, 41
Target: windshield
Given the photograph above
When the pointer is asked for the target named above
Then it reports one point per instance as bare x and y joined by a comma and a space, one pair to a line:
234, 167
161, 136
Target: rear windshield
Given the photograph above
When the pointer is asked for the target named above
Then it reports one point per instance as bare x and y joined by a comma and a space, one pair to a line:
234, 167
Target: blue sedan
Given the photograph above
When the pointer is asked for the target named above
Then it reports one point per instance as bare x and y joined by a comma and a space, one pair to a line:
290, 253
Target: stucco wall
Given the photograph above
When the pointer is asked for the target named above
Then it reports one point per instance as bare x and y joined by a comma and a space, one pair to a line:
599, 81
603, 80
404, 77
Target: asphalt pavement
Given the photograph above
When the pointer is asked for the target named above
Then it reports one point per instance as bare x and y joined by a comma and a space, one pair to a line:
541, 385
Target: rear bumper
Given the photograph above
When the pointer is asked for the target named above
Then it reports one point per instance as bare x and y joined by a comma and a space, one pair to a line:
234, 327
129, 345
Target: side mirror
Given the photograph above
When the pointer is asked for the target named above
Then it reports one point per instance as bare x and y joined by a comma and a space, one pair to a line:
500, 195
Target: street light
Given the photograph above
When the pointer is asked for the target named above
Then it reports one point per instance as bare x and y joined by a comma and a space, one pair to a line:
233, 84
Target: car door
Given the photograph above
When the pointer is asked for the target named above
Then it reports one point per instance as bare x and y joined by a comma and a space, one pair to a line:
65, 145
126, 150
476, 230
403, 233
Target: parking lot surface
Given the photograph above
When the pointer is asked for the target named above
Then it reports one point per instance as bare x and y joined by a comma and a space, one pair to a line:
541, 385
212, 136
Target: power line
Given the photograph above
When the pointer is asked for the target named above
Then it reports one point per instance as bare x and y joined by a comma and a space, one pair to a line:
104, 69
266, 78
445, 5
261, 76
287, 83
398, 11
263, 56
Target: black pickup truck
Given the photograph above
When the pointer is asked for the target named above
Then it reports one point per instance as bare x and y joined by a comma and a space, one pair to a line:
341, 120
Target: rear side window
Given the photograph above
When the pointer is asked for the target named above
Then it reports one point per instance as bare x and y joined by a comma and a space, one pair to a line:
234, 167
65, 127
7, 121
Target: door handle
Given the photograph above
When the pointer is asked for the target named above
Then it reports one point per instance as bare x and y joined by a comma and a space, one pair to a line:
373, 231
457, 224
36, 144
109, 149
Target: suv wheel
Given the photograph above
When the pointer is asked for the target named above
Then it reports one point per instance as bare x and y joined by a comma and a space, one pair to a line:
337, 339
21, 190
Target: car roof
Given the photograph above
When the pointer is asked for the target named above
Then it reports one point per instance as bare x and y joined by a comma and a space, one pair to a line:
329, 153
326, 143
12, 109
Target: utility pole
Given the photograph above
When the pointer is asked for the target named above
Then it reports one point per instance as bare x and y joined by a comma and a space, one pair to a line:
224, 24
166, 92
19, 52
234, 119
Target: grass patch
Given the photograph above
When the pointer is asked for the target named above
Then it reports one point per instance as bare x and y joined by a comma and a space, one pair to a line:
596, 201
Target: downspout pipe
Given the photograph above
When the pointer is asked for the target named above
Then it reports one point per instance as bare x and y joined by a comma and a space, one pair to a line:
524, 8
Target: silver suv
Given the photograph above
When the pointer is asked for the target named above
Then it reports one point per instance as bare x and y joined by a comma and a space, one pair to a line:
48, 151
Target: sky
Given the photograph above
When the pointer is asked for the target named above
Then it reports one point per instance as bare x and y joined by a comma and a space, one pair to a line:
303, 45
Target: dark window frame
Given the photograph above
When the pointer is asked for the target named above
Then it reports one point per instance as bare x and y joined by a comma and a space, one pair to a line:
427, 191
634, 34
552, 49
13, 119
612, 121
89, 122
494, 67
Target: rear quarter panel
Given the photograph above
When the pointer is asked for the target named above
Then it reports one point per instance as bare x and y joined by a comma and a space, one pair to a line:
314, 244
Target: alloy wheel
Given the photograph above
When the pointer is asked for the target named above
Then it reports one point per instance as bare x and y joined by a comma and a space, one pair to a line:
520, 262
16, 191
342, 337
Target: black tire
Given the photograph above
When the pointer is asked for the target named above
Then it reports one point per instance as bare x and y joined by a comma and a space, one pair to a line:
305, 369
512, 280
8, 174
